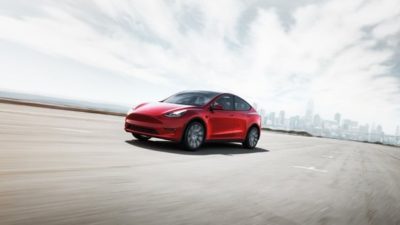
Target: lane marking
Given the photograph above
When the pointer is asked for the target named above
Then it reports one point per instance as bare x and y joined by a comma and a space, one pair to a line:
310, 168
72, 130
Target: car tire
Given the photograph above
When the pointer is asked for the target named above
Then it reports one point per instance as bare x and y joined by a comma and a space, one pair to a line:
141, 137
193, 137
251, 138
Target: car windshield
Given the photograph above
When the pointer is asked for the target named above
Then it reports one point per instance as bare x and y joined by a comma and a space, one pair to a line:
191, 98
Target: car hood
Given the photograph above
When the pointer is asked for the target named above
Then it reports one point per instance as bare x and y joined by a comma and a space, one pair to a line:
159, 108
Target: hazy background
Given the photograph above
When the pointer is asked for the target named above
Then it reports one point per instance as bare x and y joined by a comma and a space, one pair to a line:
343, 55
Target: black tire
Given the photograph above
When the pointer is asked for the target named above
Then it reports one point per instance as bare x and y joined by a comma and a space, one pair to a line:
251, 138
193, 137
141, 137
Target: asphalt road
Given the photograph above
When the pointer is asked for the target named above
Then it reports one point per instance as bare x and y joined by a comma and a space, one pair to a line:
63, 167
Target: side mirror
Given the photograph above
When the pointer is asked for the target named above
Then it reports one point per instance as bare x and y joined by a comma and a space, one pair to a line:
216, 106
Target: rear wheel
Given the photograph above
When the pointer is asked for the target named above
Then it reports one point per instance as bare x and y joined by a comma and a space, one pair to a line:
251, 138
194, 136
141, 137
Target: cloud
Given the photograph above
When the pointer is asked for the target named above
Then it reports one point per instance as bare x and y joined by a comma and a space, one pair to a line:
339, 53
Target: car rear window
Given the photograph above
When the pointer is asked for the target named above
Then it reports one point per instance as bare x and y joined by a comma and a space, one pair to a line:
241, 105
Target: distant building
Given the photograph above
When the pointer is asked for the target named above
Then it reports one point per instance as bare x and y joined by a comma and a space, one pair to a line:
337, 118
330, 129
263, 117
377, 134
264, 121
294, 123
282, 118
317, 120
379, 129
349, 125
363, 132
309, 111
272, 119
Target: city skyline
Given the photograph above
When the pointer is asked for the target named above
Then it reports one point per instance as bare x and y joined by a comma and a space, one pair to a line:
338, 126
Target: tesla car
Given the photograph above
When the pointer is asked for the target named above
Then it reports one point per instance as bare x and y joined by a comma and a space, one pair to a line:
195, 117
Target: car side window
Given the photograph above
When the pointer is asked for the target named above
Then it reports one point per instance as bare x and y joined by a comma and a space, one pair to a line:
226, 101
241, 105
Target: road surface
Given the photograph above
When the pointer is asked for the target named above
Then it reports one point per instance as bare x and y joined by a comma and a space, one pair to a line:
63, 167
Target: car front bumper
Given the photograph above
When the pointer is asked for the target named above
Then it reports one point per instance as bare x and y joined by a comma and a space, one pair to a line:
171, 129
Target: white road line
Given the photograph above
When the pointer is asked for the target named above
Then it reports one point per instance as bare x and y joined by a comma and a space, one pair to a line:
72, 130
310, 168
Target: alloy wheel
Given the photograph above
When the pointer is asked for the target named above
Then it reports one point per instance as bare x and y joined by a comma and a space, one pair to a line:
253, 137
195, 135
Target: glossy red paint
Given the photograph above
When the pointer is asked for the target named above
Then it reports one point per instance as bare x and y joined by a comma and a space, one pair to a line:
224, 125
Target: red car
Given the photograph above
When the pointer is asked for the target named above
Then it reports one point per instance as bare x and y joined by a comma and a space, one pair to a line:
194, 117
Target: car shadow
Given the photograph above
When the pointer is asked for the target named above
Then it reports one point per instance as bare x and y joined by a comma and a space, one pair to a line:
211, 148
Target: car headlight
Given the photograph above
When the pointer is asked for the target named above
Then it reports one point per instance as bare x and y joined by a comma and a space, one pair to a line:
176, 114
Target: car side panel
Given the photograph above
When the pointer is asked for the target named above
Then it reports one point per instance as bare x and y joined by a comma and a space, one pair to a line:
253, 118
222, 124
242, 119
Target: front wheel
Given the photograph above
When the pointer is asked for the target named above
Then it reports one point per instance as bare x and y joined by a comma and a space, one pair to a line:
194, 136
141, 137
251, 138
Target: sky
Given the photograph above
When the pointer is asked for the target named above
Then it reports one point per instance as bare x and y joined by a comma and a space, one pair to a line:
342, 55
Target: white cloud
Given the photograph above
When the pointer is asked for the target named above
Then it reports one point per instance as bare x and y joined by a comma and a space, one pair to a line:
336, 52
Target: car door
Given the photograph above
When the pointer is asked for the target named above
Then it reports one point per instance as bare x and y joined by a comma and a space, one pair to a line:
221, 118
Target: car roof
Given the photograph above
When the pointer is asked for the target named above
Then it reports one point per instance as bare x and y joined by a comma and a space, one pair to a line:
215, 93
200, 91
